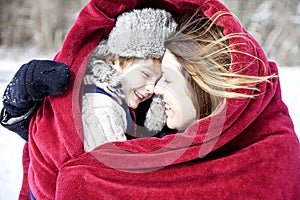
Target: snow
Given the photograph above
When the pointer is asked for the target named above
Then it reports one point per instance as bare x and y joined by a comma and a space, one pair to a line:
11, 145
289, 80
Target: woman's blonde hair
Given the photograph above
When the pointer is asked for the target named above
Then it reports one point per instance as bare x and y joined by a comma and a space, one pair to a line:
204, 53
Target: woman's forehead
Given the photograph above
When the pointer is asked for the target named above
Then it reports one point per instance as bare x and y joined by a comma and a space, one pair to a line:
170, 62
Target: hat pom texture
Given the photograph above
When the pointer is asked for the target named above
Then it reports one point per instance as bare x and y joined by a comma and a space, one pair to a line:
141, 33
156, 117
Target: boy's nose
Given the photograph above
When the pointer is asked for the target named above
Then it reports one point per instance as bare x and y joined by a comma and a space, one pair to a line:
150, 87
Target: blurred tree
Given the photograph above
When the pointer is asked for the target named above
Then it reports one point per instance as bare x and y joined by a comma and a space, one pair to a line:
44, 24
275, 25
14, 22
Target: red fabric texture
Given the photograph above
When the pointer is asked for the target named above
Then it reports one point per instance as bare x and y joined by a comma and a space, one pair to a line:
26, 160
249, 150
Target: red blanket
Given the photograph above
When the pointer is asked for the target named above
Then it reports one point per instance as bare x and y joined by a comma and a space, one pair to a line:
247, 151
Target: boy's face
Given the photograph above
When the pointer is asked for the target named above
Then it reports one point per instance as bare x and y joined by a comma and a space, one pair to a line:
139, 80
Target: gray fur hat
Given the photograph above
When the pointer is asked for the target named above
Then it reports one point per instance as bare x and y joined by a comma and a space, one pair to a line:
141, 33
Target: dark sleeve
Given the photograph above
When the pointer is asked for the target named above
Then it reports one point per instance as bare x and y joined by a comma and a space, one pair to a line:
19, 124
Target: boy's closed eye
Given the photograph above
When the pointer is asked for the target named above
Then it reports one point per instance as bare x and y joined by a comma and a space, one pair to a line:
145, 74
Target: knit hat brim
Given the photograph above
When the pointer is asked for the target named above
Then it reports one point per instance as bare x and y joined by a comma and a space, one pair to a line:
141, 33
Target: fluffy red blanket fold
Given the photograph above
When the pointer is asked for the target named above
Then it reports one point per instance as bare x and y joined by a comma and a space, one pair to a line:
247, 151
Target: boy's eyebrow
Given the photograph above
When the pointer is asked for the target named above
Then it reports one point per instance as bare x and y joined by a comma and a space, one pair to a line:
151, 70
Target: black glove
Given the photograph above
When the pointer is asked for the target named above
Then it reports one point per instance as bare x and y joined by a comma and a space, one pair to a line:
31, 84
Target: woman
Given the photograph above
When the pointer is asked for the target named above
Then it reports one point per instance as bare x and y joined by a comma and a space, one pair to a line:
196, 73
241, 143
225, 155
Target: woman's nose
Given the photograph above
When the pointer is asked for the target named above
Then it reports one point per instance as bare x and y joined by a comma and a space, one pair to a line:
158, 89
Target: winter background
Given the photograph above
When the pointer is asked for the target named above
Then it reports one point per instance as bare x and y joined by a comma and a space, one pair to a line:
11, 145
24, 35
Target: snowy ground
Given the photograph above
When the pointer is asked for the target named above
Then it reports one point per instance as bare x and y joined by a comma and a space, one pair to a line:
11, 145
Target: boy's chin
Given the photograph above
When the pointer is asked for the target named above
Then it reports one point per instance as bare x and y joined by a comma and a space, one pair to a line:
132, 104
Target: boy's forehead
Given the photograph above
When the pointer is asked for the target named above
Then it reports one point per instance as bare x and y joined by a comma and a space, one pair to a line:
152, 65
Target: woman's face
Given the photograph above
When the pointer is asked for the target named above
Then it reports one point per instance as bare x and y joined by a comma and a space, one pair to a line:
172, 87
139, 80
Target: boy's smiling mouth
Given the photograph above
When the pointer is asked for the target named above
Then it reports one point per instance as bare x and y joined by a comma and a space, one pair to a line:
139, 96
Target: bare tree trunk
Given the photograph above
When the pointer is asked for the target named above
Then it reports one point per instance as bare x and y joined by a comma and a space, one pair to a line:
44, 24
275, 24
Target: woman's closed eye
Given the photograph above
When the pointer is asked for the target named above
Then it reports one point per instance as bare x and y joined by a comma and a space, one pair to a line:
167, 81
